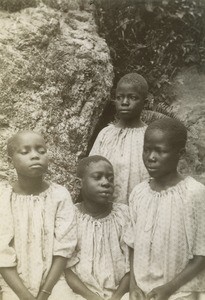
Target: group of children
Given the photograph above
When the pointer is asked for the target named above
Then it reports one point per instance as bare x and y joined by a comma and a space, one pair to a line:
138, 230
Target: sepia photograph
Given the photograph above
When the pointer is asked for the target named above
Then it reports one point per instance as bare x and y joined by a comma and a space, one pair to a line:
102, 149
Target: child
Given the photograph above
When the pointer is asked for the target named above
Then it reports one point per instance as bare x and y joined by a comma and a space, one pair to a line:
103, 268
37, 228
168, 215
122, 143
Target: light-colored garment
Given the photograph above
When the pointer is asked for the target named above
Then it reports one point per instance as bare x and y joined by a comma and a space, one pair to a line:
123, 147
33, 229
103, 255
184, 296
169, 229
61, 291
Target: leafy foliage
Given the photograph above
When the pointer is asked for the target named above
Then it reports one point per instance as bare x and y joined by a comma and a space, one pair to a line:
154, 38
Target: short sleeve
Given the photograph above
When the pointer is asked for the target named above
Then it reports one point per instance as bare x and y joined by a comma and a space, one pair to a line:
65, 232
125, 228
72, 261
199, 239
129, 233
7, 252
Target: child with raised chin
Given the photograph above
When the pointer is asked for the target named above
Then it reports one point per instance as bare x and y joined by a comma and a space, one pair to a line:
122, 143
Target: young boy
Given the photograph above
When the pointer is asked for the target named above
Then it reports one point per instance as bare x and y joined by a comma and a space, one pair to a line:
102, 271
168, 216
122, 143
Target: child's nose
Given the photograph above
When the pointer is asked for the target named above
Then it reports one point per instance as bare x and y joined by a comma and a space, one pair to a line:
125, 100
34, 155
105, 182
152, 156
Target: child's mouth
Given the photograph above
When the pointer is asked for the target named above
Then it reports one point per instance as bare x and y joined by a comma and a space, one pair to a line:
105, 194
36, 166
124, 111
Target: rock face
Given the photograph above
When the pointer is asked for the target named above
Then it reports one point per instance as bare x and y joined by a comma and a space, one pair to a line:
55, 78
190, 107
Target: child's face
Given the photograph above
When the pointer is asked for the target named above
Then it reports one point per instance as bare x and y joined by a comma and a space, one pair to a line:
159, 156
129, 103
30, 157
97, 182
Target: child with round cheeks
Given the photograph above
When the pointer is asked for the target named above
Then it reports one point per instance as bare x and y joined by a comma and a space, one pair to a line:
122, 143
168, 217
103, 268
38, 226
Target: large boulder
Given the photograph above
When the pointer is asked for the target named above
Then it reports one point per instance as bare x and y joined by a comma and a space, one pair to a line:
55, 78
190, 107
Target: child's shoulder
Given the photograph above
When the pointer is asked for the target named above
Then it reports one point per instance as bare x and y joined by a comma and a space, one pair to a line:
120, 209
142, 186
140, 190
120, 214
119, 206
59, 191
5, 193
107, 129
194, 187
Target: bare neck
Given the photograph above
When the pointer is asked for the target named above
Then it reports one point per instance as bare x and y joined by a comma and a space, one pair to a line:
30, 186
133, 123
96, 210
165, 182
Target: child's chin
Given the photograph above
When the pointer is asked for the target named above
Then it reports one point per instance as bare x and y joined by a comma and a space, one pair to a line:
104, 200
152, 172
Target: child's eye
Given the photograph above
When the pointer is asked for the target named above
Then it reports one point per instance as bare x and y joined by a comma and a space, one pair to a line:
129, 98
97, 177
119, 98
24, 152
111, 179
133, 98
42, 150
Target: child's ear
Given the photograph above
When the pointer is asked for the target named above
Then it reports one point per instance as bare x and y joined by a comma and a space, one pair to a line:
78, 183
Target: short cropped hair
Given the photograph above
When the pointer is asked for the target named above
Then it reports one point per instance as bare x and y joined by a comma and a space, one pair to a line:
137, 80
11, 143
85, 162
175, 130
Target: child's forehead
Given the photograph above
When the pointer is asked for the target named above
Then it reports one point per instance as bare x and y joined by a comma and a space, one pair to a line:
156, 134
95, 166
28, 138
128, 85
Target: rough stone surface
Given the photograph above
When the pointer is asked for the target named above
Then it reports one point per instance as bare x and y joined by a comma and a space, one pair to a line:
55, 78
190, 107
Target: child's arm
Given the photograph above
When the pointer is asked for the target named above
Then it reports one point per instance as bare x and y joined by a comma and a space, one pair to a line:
135, 292
12, 278
65, 239
79, 287
193, 268
54, 274
122, 288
